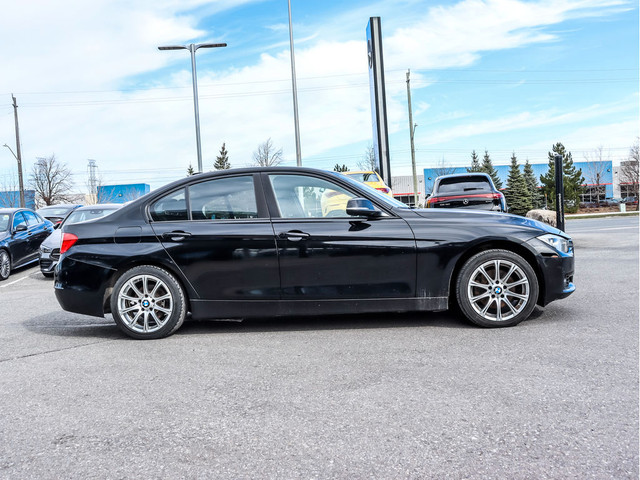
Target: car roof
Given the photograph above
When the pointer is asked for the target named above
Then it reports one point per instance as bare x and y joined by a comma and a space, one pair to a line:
12, 209
108, 206
468, 174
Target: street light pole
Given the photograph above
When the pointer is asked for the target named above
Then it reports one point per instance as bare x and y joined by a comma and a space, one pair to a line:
295, 93
192, 49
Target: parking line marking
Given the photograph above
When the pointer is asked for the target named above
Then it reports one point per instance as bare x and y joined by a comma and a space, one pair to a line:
15, 281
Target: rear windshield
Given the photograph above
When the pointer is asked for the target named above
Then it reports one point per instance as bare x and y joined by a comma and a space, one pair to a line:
53, 211
363, 177
464, 184
89, 214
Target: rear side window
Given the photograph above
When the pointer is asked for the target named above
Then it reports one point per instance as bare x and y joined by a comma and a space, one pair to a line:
464, 185
172, 207
223, 199
32, 218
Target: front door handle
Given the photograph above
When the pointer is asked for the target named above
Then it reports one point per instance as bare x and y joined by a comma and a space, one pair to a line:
176, 236
294, 235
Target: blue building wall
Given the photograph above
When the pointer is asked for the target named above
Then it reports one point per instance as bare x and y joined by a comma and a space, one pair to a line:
11, 199
605, 169
121, 193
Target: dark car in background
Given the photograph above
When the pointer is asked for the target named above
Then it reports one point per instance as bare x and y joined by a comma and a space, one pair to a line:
256, 243
21, 233
466, 190
57, 213
50, 248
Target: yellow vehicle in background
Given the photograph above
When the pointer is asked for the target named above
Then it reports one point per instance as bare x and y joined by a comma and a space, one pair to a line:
370, 178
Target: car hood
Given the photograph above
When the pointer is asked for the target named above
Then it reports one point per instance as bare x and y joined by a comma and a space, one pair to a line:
487, 217
53, 240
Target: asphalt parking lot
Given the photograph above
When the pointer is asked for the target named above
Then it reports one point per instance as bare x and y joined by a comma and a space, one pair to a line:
387, 396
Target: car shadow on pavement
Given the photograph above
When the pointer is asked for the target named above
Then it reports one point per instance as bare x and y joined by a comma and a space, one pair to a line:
65, 324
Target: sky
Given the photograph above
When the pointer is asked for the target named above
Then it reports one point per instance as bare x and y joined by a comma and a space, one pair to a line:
506, 76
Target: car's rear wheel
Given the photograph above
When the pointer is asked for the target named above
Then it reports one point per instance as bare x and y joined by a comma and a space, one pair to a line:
147, 302
497, 288
5, 265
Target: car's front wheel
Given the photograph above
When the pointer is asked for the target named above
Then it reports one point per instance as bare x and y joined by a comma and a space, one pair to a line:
147, 302
5, 265
497, 288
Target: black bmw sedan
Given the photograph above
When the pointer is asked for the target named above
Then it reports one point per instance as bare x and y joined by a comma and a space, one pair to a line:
261, 242
21, 233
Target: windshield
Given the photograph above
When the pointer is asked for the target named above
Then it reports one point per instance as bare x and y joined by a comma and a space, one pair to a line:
379, 196
4, 221
83, 215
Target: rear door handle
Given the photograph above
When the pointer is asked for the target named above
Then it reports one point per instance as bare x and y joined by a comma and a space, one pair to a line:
176, 236
294, 235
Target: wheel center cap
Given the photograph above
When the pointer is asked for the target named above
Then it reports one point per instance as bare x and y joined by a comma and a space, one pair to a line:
145, 303
497, 290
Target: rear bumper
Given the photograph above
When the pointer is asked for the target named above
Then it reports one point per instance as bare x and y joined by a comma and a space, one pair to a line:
81, 287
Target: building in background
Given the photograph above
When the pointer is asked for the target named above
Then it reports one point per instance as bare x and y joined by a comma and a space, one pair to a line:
121, 193
11, 199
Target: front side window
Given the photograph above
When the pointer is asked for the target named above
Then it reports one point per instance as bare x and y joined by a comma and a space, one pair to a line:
301, 196
228, 198
171, 207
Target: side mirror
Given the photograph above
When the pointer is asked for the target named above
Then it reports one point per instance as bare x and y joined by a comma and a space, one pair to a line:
362, 207
20, 228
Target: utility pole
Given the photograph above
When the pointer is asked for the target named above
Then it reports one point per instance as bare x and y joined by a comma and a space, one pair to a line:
19, 155
412, 129
93, 181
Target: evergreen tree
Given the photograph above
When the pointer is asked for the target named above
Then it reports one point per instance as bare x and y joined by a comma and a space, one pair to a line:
487, 167
475, 163
572, 180
222, 160
339, 168
532, 185
190, 171
517, 193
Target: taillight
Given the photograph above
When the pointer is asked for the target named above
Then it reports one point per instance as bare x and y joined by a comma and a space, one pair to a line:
383, 189
68, 240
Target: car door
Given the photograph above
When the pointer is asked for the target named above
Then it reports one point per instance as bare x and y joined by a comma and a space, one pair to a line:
19, 242
218, 233
37, 232
325, 253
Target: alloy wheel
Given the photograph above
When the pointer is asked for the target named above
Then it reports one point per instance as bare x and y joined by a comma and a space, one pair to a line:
145, 303
5, 265
498, 290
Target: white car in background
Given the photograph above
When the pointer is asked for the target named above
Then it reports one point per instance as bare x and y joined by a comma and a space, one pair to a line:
50, 248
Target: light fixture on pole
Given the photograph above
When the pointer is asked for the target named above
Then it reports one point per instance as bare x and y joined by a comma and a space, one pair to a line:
295, 93
192, 49
20, 182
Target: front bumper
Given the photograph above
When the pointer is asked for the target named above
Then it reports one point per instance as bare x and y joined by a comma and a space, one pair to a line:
557, 278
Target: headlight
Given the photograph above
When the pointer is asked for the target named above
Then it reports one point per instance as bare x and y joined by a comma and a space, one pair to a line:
561, 244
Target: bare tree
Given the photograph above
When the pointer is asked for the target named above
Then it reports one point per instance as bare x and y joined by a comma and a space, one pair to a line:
368, 162
444, 168
51, 181
594, 174
630, 171
265, 156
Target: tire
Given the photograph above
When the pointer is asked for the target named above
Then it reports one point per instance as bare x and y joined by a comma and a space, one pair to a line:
502, 300
5, 265
147, 302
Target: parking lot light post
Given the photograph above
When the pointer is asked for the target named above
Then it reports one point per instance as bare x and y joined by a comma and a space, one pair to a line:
20, 182
192, 49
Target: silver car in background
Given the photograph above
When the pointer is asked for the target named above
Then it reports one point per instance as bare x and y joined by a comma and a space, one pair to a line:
50, 248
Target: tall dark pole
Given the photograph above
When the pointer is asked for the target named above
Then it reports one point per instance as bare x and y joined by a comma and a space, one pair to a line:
559, 192
19, 155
